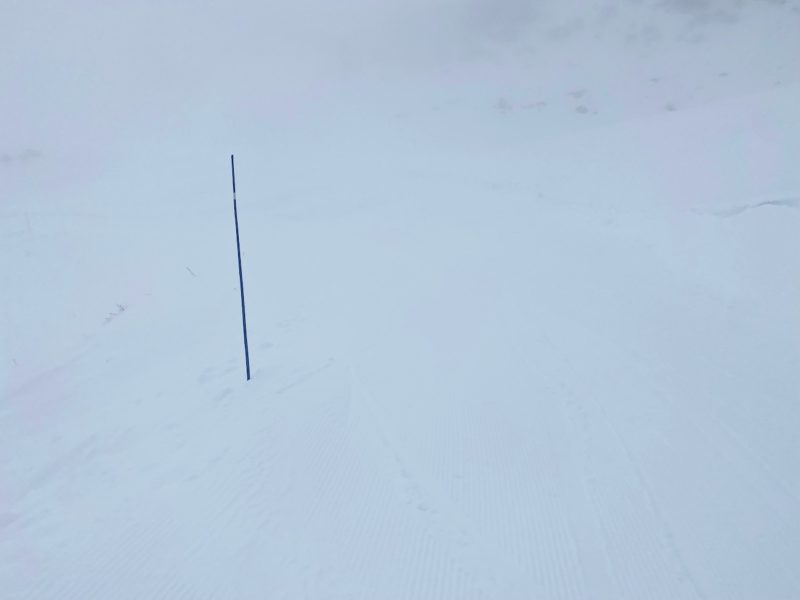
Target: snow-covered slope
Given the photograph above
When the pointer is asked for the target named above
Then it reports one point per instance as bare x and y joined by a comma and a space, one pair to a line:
503, 347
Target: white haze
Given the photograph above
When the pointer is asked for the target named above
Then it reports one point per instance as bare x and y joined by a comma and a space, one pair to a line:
522, 282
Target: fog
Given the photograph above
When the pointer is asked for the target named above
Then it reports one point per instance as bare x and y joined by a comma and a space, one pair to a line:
521, 282
87, 86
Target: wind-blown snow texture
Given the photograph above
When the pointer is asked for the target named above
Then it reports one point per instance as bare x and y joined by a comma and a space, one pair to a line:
523, 301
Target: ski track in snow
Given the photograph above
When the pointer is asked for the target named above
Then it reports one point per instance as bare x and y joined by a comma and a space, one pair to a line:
486, 396
737, 210
636, 542
545, 479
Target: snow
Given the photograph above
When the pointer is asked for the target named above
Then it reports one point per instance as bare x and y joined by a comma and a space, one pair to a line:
500, 349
